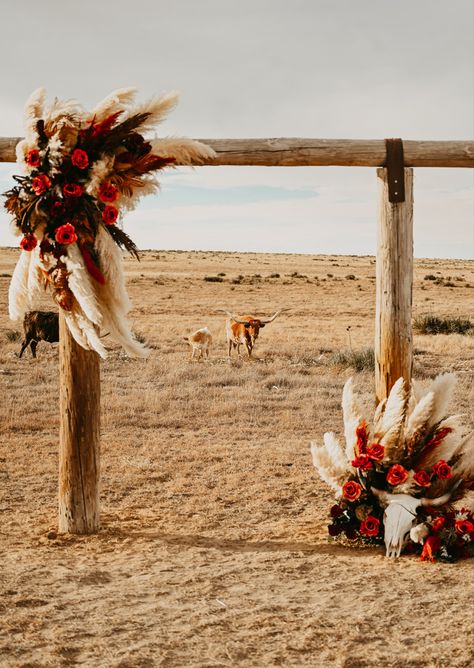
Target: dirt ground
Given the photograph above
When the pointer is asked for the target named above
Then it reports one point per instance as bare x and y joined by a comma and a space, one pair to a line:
213, 549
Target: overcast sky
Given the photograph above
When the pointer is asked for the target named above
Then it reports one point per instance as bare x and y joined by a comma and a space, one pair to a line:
265, 68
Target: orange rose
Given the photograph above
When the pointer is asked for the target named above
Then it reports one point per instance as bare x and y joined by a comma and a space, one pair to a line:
370, 526
40, 184
422, 478
438, 524
376, 452
351, 490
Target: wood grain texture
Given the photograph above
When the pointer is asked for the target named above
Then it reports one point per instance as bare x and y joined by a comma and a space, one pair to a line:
79, 438
394, 283
299, 152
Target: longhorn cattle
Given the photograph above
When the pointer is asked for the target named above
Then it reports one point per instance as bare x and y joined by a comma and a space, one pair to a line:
39, 326
244, 330
200, 342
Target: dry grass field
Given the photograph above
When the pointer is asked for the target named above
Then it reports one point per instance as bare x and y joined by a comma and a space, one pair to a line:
213, 550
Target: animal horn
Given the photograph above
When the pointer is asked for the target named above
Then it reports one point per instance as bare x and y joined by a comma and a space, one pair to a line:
440, 500
265, 322
380, 494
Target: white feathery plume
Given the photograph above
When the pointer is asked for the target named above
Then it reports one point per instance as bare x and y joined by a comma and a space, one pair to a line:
60, 108
18, 295
325, 466
81, 284
184, 151
118, 100
149, 186
33, 112
21, 151
157, 108
352, 418
99, 172
392, 418
35, 277
418, 419
336, 454
409, 486
442, 388
465, 466
76, 331
89, 332
378, 415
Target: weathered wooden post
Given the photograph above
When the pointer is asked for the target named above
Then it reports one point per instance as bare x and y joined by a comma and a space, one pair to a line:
79, 435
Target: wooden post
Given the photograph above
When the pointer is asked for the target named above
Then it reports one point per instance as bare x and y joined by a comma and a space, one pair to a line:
394, 282
79, 444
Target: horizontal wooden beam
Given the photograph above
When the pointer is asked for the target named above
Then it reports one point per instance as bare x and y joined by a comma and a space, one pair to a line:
287, 152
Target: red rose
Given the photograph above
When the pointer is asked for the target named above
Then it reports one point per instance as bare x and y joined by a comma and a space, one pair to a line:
370, 526
464, 526
351, 490
33, 158
72, 190
80, 159
438, 524
40, 184
28, 242
442, 469
376, 452
108, 192
109, 215
66, 234
397, 474
422, 478
362, 462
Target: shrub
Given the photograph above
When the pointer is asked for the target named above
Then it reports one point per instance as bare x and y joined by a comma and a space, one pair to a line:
12, 335
350, 277
430, 277
360, 360
274, 275
431, 324
213, 279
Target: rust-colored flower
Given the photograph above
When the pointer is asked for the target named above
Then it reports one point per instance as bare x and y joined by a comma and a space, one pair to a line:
108, 192
40, 184
442, 469
72, 190
376, 452
397, 474
430, 548
33, 158
28, 242
464, 526
80, 159
351, 490
438, 524
370, 526
362, 434
422, 478
66, 234
362, 462
110, 214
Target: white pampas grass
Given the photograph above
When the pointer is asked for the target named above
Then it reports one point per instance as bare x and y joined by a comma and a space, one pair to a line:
352, 418
442, 388
417, 421
116, 101
157, 108
82, 285
184, 151
392, 418
32, 112
330, 462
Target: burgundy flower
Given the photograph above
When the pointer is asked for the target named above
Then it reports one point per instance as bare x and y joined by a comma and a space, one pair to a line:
351, 490
108, 192
442, 469
336, 511
66, 234
28, 242
334, 530
109, 215
351, 533
370, 526
376, 452
397, 474
362, 462
40, 184
33, 158
72, 190
422, 478
80, 159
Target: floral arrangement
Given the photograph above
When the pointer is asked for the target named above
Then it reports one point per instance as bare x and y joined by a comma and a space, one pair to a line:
81, 171
396, 482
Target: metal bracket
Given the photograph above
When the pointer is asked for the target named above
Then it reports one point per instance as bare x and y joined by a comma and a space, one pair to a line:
395, 170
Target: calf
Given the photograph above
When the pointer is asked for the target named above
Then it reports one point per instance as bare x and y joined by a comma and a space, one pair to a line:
200, 341
39, 326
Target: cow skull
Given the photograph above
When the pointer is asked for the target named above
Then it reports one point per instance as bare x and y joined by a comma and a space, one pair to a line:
400, 517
